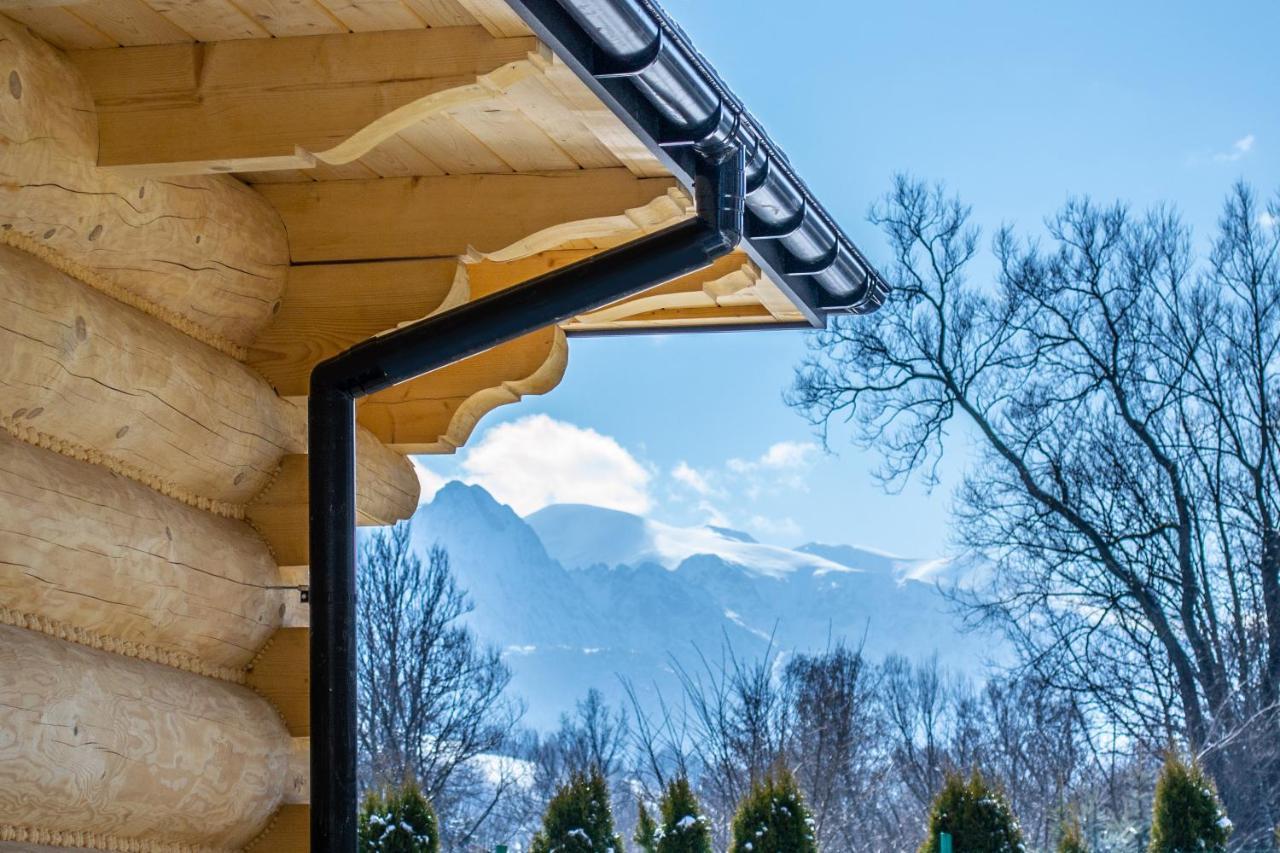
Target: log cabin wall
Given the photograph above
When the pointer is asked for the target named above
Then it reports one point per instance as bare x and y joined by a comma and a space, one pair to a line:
159, 321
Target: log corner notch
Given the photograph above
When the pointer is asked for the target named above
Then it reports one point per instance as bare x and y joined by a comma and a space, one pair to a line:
270, 104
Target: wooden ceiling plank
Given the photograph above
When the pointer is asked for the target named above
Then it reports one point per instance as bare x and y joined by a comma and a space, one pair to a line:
210, 20
544, 107
496, 17
263, 104
450, 216
329, 307
130, 22
285, 18
396, 158
442, 13
454, 148
594, 115
507, 132
60, 28
364, 16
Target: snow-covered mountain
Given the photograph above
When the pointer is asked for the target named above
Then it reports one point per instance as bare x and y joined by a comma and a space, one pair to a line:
580, 596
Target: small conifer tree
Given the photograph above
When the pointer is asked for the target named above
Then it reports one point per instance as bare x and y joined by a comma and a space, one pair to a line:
976, 815
684, 826
772, 818
1072, 838
646, 837
1186, 816
397, 820
578, 819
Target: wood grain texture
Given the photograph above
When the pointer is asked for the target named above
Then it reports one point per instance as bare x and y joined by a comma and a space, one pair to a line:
87, 548
124, 389
437, 412
256, 104
327, 308
281, 674
288, 832
99, 745
433, 217
204, 250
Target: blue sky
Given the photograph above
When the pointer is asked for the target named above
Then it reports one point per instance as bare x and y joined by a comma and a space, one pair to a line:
1016, 106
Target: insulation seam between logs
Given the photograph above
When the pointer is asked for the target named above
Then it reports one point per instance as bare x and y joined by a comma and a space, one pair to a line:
31, 435
128, 648
97, 841
87, 276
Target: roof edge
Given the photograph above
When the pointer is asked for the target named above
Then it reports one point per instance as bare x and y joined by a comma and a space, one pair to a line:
643, 66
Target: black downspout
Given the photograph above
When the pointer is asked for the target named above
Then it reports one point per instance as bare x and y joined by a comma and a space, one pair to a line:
385, 360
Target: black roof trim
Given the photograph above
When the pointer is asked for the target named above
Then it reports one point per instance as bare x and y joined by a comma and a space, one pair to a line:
643, 66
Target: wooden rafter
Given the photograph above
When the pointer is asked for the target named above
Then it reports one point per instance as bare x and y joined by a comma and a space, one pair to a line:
285, 103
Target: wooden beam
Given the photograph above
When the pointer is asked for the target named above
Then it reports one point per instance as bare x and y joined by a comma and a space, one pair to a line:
107, 752
288, 832
436, 413
284, 103
281, 674
434, 217
329, 307
205, 254
93, 557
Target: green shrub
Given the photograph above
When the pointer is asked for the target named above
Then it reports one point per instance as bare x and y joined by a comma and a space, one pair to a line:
772, 818
1072, 839
578, 819
1186, 816
684, 826
646, 837
397, 820
977, 816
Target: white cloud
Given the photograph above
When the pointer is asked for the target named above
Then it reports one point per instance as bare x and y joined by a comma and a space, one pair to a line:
429, 481
691, 477
783, 465
1239, 148
538, 460
1268, 220
774, 528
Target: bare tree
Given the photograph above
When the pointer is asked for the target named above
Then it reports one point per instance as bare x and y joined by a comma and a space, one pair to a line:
1124, 397
431, 696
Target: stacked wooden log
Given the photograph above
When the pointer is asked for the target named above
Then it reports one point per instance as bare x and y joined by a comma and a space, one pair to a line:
135, 597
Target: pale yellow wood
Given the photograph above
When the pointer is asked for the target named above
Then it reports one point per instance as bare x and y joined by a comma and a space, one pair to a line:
282, 103
373, 15
448, 216
327, 308
130, 22
99, 379
85, 550
60, 28
298, 787
281, 674
384, 495
283, 18
454, 148
536, 98
105, 749
205, 251
210, 20
288, 832
496, 17
508, 132
599, 119
6, 5
437, 413
442, 13
396, 158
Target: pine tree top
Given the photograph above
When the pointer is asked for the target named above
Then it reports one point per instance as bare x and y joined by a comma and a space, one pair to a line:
578, 819
772, 818
976, 815
646, 835
397, 820
1186, 816
1072, 838
685, 828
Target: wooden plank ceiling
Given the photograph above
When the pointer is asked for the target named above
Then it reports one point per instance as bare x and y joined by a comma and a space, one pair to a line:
531, 116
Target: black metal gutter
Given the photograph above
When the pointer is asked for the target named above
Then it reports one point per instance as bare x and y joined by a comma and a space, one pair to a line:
388, 359
639, 62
